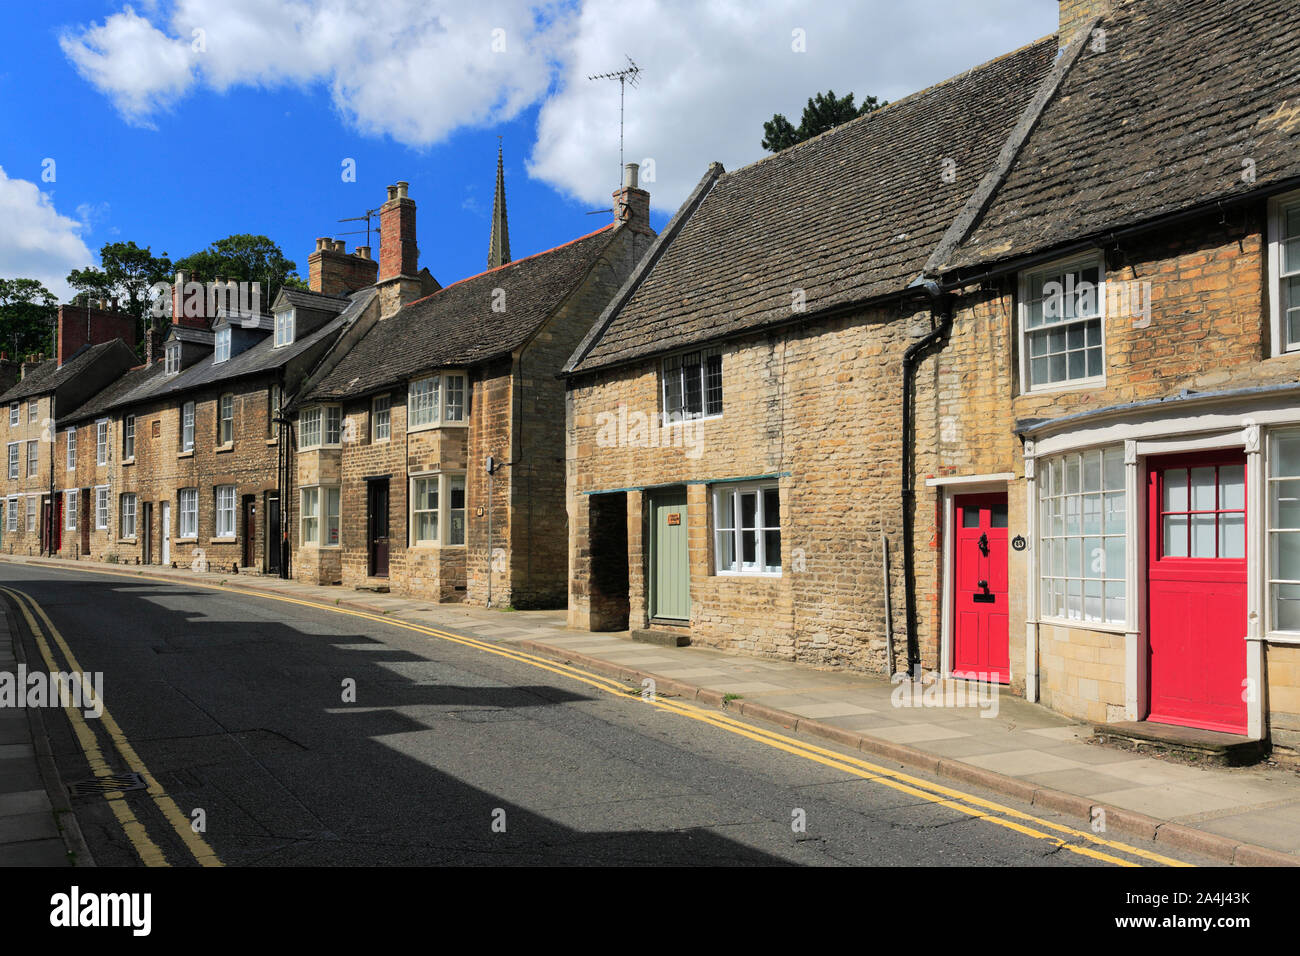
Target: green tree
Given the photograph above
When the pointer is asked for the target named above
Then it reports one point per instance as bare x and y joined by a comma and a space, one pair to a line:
125, 273
245, 258
824, 111
27, 313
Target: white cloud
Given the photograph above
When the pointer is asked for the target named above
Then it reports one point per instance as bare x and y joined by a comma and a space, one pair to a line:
714, 72
37, 242
417, 70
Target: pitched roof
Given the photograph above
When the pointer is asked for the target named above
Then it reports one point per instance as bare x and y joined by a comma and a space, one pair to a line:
457, 325
100, 403
305, 298
49, 375
1161, 121
848, 216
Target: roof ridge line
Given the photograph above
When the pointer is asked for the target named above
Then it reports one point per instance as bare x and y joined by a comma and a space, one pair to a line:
977, 202
646, 265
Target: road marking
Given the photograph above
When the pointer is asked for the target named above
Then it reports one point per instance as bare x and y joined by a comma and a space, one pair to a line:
145, 848
198, 847
979, 808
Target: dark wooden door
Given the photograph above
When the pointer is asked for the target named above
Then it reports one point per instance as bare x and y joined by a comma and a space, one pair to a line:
272, 534
146, 532
377, 528
250, 531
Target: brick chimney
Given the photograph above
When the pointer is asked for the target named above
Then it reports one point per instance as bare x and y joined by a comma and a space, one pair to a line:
631, 203
1074, 15
79, 325
190, 295
332, 271
399, 259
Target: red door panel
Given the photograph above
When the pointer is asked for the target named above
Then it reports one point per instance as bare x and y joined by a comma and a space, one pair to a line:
1196, 581
981, 636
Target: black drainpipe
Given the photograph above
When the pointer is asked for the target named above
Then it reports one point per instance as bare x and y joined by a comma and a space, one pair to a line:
941, 303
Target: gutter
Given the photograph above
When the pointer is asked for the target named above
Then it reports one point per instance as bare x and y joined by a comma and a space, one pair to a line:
941, 303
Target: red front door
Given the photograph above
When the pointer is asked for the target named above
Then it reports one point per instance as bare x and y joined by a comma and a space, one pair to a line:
980, 619
1196, 573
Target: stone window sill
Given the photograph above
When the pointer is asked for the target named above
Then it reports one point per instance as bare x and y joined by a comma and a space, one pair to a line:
185, 454
227, 447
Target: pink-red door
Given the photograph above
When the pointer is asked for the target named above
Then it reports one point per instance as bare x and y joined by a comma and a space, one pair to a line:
981, 645
1196, 587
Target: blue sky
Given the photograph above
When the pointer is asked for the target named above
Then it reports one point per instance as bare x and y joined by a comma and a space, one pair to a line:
173, 147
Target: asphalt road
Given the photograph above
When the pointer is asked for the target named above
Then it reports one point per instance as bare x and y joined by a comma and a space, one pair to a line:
449, 754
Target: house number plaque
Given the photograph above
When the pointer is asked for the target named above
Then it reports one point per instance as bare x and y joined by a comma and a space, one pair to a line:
674, 517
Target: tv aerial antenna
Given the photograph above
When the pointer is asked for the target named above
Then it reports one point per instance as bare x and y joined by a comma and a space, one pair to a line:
624, 76
370, 213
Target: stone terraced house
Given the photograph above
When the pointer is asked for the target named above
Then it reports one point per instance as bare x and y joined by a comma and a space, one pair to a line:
1050, 395
394, 438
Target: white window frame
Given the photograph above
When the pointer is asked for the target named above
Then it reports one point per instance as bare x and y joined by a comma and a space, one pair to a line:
285, 322
429, 401
226, 422
187, 529
71, 441
128, 438
126, 514
673, 369
221, 346
15, 460
321, 509
444, 514
1278, 206
33, 460
187, 427
101, 442
1047, 475
224, 499
69, 509
12, 507
172, 358
13, 414
320, 426
733, 491
31, 514
102, 512
1060, 266
381, 418
1273, 533
33, 411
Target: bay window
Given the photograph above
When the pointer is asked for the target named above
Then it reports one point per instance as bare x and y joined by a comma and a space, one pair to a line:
1081, 527
438, 510
1284, 532
437, 400
747, 528
320, 426
320, 516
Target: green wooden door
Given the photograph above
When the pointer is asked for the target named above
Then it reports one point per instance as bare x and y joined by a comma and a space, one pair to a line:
670, 581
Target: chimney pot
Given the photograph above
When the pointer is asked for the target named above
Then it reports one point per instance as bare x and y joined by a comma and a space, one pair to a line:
630, 175
392, 192
363, 252
401, 189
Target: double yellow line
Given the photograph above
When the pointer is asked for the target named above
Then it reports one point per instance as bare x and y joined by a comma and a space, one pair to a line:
1082, 842
149, 851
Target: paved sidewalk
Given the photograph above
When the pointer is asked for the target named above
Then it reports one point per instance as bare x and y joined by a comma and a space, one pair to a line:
1243, 815
32, 800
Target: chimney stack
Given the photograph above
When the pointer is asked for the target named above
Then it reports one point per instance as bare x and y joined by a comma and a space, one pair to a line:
399, 259
631, 203
332, 271
1074, 15
79, 325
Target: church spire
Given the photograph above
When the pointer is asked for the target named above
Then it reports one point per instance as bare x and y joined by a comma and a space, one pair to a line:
499, 244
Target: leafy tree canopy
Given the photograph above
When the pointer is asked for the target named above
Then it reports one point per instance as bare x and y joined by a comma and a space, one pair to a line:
245, 258
824, 111
126, 272
27, 311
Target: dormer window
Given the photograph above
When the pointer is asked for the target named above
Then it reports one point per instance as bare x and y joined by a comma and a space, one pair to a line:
222, 353
173, 358
284, 328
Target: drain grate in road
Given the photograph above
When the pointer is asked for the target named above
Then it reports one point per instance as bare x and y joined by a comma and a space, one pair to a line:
101, 785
